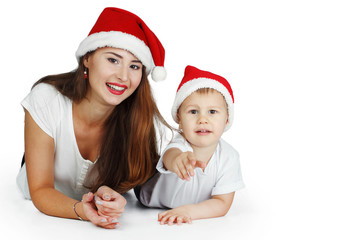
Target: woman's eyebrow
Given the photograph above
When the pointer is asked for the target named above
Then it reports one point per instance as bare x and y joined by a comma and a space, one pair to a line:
121, 57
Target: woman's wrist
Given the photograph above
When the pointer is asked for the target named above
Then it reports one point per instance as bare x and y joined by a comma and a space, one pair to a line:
74, 208
78, 210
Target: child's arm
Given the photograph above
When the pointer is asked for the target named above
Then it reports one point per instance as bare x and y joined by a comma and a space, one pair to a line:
217, 206
181, 163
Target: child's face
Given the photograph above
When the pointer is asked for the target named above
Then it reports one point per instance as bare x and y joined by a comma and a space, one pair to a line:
202, 118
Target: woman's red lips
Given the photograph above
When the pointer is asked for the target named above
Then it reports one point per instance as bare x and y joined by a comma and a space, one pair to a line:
116, 88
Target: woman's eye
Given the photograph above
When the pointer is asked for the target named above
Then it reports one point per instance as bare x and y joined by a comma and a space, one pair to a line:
135, 67
112, 60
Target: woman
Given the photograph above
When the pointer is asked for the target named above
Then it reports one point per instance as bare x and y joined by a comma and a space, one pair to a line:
90, 133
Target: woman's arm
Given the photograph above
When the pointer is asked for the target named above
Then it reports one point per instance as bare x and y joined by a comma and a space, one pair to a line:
217, 206
39, 155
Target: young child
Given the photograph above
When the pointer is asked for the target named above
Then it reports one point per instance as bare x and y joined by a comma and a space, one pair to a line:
198, 172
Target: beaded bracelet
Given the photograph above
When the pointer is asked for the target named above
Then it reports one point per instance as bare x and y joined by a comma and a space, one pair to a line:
76, 212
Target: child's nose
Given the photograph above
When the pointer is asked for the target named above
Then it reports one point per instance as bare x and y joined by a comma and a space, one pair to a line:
202, 119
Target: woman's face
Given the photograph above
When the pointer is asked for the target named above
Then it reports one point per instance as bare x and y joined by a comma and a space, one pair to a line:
113, 75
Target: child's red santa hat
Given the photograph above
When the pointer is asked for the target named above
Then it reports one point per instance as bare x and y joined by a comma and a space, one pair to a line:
122, 29
195, 79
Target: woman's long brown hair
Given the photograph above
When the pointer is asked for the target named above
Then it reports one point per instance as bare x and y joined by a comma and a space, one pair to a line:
129, 150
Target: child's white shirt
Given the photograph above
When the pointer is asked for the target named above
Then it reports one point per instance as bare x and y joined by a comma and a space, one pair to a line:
222, 175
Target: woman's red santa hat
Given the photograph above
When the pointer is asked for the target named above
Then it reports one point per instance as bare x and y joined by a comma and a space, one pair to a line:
122, 29
195, 79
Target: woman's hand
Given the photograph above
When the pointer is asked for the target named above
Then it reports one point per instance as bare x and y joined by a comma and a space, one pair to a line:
110, 204
104, 208
91, 212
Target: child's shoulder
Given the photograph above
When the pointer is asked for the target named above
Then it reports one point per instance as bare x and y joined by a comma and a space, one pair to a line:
227, 149
178, 141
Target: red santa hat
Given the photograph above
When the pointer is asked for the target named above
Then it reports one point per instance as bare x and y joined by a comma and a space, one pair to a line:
195, 79
122, 29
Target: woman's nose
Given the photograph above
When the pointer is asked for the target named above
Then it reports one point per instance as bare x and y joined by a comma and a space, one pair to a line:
122, 73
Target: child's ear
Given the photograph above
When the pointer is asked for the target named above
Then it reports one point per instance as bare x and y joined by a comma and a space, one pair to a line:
178, 119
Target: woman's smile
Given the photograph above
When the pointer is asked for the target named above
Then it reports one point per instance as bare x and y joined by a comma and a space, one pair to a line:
116, 88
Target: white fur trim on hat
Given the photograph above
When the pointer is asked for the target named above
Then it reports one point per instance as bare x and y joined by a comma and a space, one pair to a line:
117, 40
193, 85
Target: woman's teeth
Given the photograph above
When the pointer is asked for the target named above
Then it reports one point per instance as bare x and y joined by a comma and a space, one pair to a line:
114, 87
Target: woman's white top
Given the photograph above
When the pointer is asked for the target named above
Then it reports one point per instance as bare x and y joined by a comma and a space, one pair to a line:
222, 175
52, 112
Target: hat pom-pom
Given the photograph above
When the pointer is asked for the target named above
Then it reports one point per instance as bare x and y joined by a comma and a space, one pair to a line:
158, 74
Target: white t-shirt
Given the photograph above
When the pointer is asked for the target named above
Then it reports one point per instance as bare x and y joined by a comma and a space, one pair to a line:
222, 175
52, 112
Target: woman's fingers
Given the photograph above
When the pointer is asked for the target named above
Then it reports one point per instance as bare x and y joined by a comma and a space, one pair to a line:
109, 203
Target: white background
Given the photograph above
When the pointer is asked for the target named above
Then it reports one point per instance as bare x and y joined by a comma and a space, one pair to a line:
294, 69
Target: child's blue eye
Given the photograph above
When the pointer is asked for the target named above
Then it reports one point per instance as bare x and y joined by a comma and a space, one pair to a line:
193, 111
212, 111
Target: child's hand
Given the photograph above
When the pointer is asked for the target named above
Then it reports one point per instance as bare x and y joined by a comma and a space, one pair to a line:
184, 164
177, 215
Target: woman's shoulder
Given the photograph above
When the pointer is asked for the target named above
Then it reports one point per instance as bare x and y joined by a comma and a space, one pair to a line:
46, 106
45, 90
43, 94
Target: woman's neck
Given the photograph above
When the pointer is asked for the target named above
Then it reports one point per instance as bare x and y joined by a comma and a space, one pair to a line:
91, 114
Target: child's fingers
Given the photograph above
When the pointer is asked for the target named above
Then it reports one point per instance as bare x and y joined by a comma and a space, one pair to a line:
189, 168
166, 218
171, 220
170, 217
200, 164
161, 215
179, 220
163, 219
179, 174
187, 220
182, 171
194, 162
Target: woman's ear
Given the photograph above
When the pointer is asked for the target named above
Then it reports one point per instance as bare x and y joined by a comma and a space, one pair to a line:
86, 60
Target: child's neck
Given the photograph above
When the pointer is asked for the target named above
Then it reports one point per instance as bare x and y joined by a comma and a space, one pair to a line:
204, 154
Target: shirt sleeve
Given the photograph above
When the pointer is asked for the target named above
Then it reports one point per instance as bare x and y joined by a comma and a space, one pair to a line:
42, 106
178, 142
229, 173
